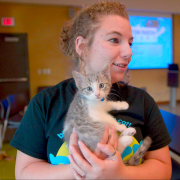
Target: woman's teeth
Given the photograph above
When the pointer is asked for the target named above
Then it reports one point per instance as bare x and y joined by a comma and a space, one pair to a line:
120, 65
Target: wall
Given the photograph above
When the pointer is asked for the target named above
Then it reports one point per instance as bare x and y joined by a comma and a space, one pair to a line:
166, 6
155, 81
43, 24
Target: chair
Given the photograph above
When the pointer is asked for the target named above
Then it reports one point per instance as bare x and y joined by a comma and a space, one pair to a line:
14, 106
1, 110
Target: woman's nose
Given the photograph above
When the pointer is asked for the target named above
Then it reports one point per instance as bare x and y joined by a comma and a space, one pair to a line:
126, 51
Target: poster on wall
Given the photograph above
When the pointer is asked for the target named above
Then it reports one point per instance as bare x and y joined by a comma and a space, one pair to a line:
152, 44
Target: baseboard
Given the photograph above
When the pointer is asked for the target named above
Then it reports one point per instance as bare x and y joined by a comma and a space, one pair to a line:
175, 157
166, 102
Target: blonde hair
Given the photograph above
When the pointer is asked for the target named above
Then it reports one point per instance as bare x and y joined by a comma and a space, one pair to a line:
85, 24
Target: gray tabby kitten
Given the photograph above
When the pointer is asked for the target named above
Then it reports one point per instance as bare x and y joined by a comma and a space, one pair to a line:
88, 112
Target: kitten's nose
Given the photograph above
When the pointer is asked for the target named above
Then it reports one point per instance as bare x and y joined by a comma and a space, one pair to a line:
97, 95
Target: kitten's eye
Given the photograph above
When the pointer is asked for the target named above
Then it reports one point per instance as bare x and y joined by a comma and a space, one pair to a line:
101, 85
89, 88
114, 40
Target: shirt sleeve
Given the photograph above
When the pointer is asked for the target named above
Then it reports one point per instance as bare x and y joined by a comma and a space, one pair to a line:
30, 137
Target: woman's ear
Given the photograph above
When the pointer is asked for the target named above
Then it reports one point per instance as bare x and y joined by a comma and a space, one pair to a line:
80, 43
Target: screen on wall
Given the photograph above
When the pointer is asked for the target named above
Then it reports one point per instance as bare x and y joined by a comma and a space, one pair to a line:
152, 44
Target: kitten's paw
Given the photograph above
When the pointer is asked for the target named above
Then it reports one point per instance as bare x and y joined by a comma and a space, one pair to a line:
122, 105
124, 141
129, 132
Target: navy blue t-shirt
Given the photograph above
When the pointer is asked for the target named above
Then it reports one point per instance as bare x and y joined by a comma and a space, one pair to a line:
40, 133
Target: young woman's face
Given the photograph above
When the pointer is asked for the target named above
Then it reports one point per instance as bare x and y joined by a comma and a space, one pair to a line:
112, 43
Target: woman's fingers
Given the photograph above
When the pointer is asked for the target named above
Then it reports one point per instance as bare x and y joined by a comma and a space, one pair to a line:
73, 138
107, 139
78, 163
76, 175
107, 149
89, 156
105, 136
78, 170
74, 141
113, 138
104, 140
79, 160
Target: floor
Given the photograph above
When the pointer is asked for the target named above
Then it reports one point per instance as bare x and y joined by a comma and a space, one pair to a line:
7, 167
167, 108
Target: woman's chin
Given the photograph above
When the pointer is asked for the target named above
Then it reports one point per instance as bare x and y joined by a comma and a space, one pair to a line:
117, 78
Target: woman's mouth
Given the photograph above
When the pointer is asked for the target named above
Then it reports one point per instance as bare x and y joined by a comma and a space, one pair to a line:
120, 65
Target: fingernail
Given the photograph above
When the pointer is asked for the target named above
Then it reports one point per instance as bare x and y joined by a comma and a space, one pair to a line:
74, 130
71, 149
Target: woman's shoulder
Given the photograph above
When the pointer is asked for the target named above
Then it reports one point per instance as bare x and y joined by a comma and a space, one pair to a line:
129, 90
136, 90
65, 85
56, 92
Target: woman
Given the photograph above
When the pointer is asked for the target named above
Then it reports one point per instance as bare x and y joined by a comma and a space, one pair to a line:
99, 34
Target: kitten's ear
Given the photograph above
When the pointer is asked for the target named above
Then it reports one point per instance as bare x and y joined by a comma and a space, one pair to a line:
79, 78
105, 71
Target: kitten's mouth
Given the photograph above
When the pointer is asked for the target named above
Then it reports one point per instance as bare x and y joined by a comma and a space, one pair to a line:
120, 65
99, 99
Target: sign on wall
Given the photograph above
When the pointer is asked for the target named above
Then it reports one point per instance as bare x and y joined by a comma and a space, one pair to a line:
7, 21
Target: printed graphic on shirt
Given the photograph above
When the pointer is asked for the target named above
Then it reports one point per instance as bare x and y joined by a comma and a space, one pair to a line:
130, 150
61, 156
61, 135
120, 121
63, 152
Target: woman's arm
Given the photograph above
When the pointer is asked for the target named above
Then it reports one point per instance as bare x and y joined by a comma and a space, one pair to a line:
28, 167
157, 165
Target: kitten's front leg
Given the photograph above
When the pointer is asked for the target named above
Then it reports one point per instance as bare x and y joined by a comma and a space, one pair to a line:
119, 105
108, 119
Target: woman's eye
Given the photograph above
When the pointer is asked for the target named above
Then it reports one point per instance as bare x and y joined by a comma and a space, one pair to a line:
101, 85
89, 88
114, 40
130, 44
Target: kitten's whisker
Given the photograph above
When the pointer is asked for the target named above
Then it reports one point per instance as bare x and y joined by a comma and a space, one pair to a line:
111, 99
115, 90
114, 95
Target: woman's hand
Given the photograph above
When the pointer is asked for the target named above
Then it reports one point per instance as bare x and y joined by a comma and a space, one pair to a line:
106, 140
90, 165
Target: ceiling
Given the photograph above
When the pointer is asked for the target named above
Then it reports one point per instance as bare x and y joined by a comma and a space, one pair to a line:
162, 6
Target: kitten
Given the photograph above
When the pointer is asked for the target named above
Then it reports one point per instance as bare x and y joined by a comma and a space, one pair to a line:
88, 112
